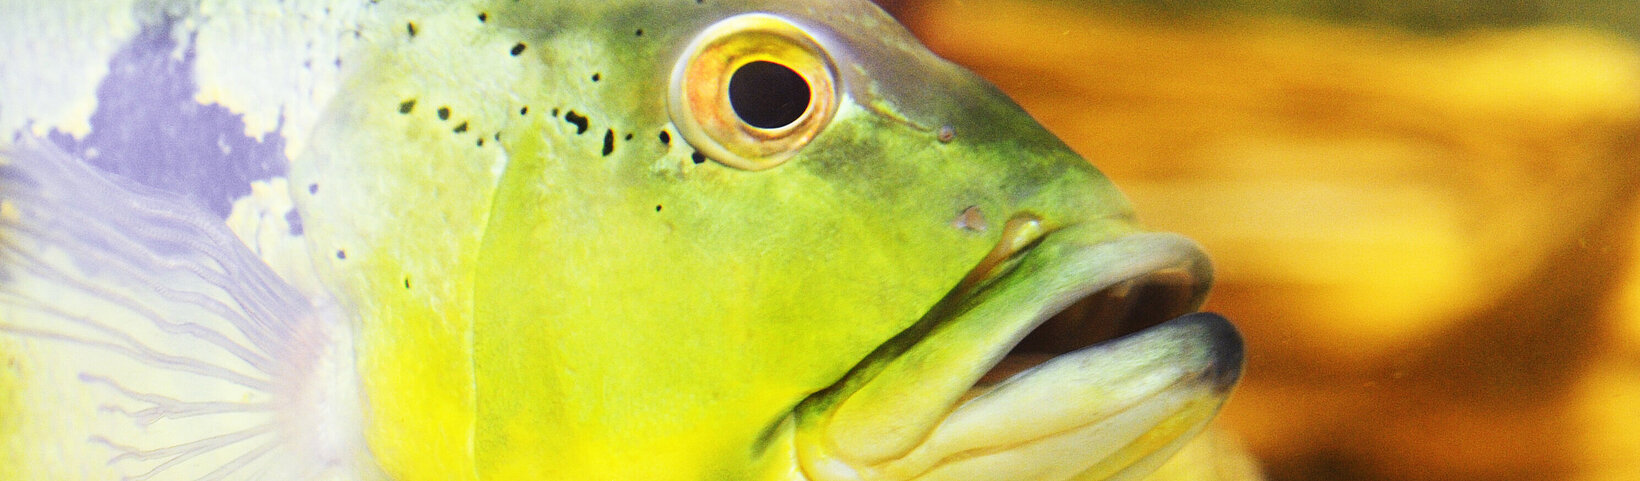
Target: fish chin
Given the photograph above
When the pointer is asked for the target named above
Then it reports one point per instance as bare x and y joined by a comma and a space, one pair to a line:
1077, 357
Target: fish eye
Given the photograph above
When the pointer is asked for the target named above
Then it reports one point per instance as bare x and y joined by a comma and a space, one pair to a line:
751, 90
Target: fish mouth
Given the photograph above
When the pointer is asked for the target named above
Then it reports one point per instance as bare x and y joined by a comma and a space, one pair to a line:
1074, 353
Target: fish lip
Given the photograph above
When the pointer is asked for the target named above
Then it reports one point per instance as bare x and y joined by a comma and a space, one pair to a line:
1032, 283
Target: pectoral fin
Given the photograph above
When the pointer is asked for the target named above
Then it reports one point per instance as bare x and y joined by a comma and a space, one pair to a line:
146, 342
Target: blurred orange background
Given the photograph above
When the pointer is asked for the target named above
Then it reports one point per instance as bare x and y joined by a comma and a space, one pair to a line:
1424, 220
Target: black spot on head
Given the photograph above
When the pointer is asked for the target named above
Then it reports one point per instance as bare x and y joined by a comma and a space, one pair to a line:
313, 189
628, 137
483, 17
666, 137
638, 33
517, 49
579, 120
341, 254
407, 283
698, 157
657, 207
411, 27
444, 113
480, 141
460, 128
525, 110
406, 106
555, 111
609, 142
596, 77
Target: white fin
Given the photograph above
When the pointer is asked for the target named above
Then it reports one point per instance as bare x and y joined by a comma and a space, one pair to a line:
148, 343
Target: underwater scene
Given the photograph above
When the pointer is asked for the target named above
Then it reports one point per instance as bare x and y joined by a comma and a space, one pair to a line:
819, 240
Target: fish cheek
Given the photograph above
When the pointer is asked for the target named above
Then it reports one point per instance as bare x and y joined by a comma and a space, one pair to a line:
625, 329
929, 192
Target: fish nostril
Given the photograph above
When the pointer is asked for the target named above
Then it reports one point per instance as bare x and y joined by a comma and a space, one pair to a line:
972, 219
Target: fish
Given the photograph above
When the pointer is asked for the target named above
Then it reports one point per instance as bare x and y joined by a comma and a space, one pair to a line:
553, 240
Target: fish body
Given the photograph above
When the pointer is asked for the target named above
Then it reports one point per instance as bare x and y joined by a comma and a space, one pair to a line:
675, 240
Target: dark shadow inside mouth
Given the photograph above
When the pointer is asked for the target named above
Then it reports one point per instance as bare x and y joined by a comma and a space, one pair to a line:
1116, 311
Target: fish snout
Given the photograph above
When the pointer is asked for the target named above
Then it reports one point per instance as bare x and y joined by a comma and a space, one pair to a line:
1065, 354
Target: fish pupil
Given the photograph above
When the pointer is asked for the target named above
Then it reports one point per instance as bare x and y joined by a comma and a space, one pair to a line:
768, 95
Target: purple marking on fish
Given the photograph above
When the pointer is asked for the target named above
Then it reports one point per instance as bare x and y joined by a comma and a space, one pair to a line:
148, 128
294, 220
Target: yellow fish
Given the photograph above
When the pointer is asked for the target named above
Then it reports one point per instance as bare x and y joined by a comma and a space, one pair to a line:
554, 240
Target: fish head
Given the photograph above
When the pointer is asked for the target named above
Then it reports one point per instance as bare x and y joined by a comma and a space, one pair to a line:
824, 253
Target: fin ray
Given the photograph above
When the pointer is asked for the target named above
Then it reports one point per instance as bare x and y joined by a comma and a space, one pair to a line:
207, 334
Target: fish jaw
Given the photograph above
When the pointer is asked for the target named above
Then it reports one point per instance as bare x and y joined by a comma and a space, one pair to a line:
926, 406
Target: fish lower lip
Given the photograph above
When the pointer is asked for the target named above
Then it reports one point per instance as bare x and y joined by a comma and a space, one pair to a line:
1114, 410
1034, 354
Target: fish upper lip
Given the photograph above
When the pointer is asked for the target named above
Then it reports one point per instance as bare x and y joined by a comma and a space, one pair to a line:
1028, 286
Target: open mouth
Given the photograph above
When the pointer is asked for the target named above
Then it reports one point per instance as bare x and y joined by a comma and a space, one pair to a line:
1167, 281
1121, 309
1075, 350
